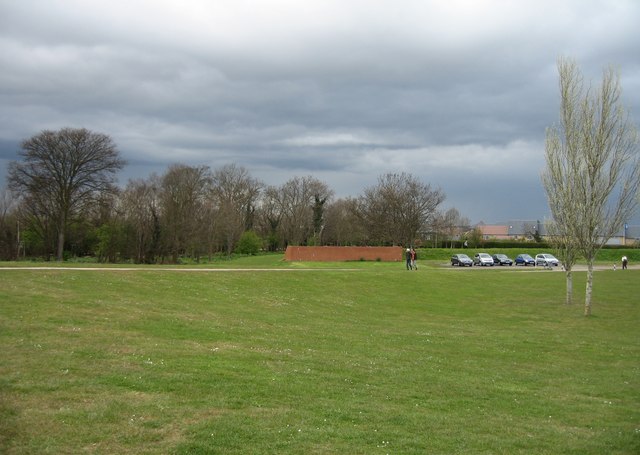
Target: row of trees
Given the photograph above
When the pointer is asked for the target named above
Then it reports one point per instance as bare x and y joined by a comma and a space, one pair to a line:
62, 199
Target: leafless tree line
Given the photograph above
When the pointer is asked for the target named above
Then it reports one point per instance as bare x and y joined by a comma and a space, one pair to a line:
197, 212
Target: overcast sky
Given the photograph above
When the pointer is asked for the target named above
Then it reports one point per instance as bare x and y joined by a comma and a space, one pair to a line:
457, 93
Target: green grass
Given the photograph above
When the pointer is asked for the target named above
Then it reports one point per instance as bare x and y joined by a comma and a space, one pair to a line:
370, 360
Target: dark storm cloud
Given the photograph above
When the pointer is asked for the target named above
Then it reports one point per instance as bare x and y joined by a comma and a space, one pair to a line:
455, 92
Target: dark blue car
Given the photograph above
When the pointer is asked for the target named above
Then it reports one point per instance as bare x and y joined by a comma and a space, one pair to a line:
524, 259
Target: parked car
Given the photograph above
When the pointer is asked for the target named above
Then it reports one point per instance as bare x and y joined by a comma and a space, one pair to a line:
461, 260
502, 259
483, 259
546, 260
524, 259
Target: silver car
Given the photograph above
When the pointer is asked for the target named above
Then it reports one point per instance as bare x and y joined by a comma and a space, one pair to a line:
546, 260
483, 259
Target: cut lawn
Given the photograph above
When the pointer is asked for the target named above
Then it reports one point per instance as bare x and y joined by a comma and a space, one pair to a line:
371, 360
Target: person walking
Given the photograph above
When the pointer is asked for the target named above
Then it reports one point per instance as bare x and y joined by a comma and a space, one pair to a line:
408, 258
624, 262
414, 256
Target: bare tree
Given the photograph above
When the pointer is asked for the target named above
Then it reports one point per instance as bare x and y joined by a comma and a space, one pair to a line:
183, 196
342, 225
448, 226
9, 231
36, 230
295, 201
235, 194
398, 207
269, 218
140, 205
63, 172
592, 175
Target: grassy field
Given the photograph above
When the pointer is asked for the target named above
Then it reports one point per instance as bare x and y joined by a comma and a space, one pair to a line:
308, 358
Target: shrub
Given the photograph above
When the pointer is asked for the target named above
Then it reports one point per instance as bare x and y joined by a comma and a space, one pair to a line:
249, 243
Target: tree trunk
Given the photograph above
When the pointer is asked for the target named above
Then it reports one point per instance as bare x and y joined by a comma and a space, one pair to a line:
587, 297
569, 297
60, 252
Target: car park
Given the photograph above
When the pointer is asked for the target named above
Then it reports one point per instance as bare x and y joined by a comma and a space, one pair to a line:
546, 260
461, 260
502, 259
524, 259
483, 259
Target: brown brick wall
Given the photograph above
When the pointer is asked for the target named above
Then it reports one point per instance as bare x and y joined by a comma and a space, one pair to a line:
344, 253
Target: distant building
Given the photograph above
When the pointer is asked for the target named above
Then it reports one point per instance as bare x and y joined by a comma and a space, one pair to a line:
529, 229
512, 230
498, 232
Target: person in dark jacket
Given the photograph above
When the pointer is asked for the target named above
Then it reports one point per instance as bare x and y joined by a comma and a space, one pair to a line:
408, 257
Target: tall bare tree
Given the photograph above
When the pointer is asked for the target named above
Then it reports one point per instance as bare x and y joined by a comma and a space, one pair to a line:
183, 197
592, 176
269, 218
235, 195
398, 207
62, 172
140, 206
342, 225
296, 200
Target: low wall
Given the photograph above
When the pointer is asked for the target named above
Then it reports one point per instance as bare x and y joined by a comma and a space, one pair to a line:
344, 253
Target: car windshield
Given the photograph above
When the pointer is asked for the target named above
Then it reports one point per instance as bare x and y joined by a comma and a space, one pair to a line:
484, 255
501, 256
463, 256
526, 256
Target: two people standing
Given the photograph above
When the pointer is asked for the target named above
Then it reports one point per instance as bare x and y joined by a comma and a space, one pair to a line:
411, 257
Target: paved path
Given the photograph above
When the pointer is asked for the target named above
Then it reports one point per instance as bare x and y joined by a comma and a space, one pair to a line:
181, 269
